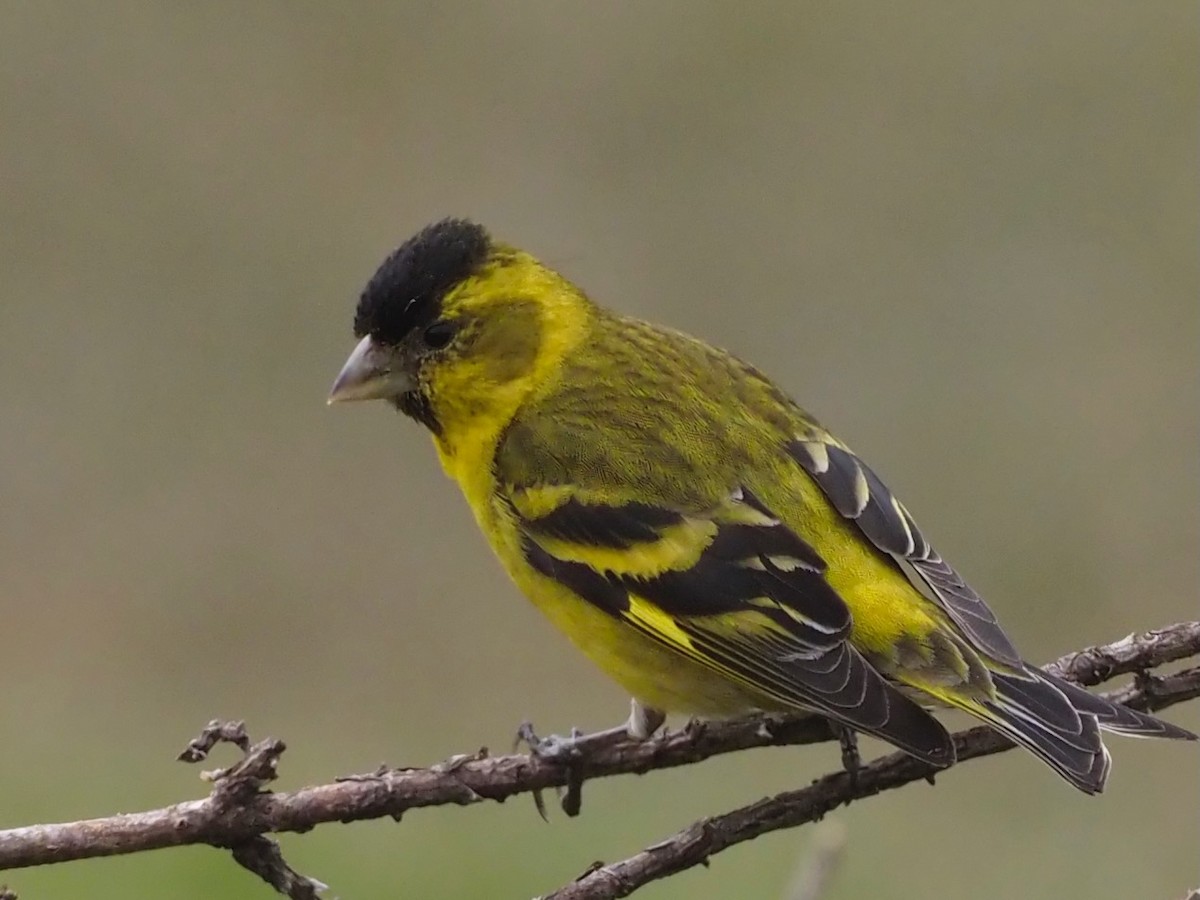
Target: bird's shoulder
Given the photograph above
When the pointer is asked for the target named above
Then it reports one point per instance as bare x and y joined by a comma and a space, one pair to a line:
653, 413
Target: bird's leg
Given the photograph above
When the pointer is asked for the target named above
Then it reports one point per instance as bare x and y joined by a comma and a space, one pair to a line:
848, 740
643, 720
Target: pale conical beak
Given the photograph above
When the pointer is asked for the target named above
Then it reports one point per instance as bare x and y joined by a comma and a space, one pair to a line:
370, 374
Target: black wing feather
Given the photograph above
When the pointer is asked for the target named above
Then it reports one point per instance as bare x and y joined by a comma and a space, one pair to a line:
619, 527
861, 496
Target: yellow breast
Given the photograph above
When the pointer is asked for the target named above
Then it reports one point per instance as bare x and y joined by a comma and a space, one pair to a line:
653, 673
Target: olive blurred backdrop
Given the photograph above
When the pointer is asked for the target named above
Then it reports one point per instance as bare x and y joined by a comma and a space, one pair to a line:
963, 234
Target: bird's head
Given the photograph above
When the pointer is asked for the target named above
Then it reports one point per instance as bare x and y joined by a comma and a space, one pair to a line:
455, 329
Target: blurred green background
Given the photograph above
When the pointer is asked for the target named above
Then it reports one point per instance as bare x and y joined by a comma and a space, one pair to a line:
963, 234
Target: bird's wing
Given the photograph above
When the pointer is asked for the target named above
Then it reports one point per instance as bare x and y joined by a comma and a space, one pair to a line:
729, 587
859, 495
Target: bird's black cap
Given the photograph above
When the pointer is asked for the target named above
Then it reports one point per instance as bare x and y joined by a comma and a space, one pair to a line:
406, 289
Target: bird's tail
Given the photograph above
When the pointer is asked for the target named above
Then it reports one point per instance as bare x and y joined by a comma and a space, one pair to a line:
1116, 718
1061, 724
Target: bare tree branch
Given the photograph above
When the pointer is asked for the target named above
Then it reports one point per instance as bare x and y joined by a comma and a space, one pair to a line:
239, 811
696, 843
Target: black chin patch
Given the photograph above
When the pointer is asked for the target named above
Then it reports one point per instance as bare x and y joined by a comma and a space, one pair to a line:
407, 288
416, 405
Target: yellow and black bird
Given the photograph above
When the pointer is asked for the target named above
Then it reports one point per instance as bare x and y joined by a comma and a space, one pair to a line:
696, 533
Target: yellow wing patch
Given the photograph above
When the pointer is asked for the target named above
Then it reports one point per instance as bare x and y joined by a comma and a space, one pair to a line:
676, 547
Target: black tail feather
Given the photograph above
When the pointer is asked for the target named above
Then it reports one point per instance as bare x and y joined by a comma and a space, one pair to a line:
1116, 718
1033, 712
1061, 723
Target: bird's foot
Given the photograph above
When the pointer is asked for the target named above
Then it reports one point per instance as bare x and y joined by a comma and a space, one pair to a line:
848, 740
641, 725
573, 750
553, 747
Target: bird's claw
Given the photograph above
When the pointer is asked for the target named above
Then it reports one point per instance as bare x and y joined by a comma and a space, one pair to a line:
553, 747
572, 751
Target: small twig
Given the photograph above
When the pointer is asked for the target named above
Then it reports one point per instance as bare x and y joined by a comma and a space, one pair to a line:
262, 856
215, 732
236, 787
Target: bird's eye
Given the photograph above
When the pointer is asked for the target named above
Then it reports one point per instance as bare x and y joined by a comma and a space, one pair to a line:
438, 334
